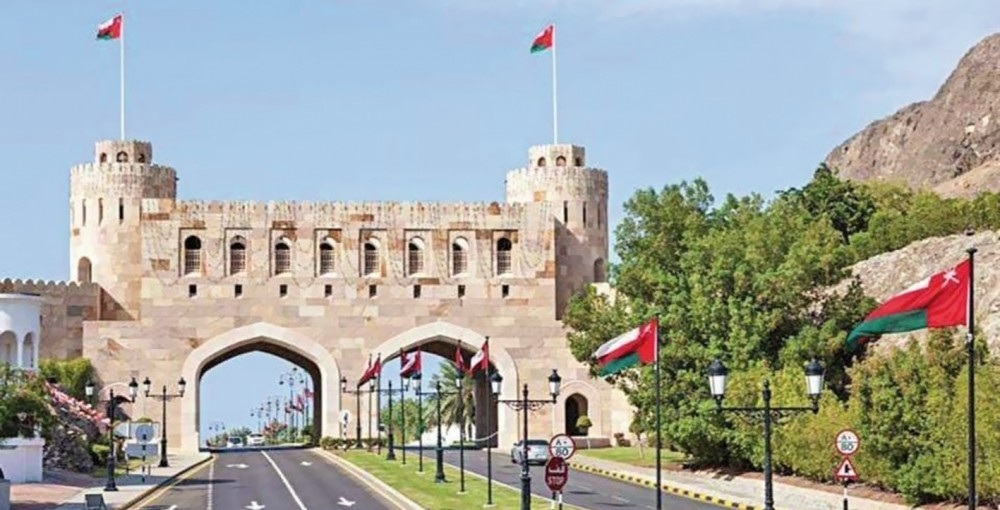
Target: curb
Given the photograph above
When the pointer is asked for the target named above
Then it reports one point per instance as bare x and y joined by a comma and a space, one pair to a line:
643, 481
511, 487
132, 503
382, 489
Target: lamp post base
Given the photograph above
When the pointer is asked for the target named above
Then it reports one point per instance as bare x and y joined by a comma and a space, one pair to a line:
439, 474
525, 491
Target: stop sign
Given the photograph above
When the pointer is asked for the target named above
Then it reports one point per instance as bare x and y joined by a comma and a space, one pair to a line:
556, 473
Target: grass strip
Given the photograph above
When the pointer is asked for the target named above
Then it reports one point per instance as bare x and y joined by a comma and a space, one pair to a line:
632, 456
420, 487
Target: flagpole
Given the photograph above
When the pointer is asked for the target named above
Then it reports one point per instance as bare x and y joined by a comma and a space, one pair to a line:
970, 336
659, 442
555, 107
121, 84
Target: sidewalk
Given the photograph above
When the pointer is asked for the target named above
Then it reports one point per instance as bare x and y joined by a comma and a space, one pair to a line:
63, 491
745, 491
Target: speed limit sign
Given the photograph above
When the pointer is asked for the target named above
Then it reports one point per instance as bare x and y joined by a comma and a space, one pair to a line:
563, 446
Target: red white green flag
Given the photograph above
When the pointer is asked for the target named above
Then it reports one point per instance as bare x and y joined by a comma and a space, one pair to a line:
938, 301
110, 29
544, 39
634, 347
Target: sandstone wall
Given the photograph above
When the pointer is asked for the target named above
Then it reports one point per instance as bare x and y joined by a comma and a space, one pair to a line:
66, 307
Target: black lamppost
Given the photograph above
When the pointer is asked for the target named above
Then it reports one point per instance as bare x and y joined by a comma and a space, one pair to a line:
391, 455
717, 373
357, 393
459, 376
164, 397
439, 452
419, 390
291, 377
524, 404
113, 401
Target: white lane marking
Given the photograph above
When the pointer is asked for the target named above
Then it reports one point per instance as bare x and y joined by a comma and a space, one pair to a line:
211, 485
172, 507
619, 498
285, 480
306, 463
254, 506
345, 502
238, 466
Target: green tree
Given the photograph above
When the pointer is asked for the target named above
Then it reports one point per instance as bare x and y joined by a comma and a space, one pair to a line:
71, 375
450, 408
407, 408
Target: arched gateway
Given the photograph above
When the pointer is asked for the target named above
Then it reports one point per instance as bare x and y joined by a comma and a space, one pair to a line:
289, 344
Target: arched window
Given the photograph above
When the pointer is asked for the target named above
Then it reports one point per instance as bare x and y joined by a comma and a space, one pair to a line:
83, 274
237, 255
141, 158
83, 212
28, 349
121, 210
415, 256
100, 211
576, 407
122, 157
8, 348
103, 158
541, 161
579, 161
561, 161
459, 256
599, 274
327, 260
282, 257
371, 262
504, 249
192, 255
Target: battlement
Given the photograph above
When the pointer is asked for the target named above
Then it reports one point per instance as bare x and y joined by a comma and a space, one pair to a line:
535, 183
123, 180
56, 289
346, 212
557, 155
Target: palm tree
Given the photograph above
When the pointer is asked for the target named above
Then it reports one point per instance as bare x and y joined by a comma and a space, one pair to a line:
450, 399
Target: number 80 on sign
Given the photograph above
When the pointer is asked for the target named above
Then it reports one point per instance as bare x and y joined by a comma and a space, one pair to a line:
562, 445
847, 442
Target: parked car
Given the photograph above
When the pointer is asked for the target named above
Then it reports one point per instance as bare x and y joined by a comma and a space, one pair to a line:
255, 440
234, 442
538, 451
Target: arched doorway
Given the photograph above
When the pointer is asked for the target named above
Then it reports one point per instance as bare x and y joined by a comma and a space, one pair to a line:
83, 270
576, 406
440, 339
297, 348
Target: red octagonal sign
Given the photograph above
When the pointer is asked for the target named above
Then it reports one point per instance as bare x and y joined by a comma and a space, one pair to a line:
556, 473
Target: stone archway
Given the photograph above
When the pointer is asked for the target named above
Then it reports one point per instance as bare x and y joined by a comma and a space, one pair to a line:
282, 342
576, 406
439, 332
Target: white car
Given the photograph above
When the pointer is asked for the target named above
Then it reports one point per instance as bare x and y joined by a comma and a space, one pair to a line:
234, 442
255, 440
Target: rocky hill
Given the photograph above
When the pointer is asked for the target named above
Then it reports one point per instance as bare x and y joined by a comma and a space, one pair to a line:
889, 273
948, 143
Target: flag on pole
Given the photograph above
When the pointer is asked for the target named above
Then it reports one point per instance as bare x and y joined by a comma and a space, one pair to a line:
544, 39
372, 372
635, 346
941, 300
459, 359
110, 29
481, 360
411, 365
308, 393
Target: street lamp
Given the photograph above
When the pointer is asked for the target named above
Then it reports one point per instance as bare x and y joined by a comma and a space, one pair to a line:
357, 392
112, 405
419, 390
524, 404
291, 377
391, 455
163, 397
717, 374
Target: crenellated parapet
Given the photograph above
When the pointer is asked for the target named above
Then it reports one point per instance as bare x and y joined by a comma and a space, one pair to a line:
123, 180
372, 214
48, 288
65, 307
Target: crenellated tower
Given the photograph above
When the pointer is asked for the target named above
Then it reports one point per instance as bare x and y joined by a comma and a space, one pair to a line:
106, 220
578, 197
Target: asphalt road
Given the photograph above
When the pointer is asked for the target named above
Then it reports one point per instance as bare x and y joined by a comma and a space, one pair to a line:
273, 480
584, 490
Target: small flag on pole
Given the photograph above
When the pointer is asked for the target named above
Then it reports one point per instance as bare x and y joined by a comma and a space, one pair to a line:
110, 29
543, 40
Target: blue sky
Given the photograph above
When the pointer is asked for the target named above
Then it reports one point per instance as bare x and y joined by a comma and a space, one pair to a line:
437, 99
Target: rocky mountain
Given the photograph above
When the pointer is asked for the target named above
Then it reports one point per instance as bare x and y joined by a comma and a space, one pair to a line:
885, 275
948, 143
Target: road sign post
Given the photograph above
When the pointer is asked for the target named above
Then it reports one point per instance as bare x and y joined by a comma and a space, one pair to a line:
556, 474
562, 446
847, 443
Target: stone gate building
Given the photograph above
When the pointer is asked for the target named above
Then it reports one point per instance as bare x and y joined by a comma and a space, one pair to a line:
164, 288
